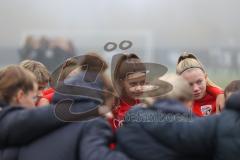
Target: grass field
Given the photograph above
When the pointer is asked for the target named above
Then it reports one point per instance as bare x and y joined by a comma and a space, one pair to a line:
221, 77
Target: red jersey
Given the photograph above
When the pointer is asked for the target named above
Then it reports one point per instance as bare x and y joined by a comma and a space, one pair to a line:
48, 94
119, 114
207, 105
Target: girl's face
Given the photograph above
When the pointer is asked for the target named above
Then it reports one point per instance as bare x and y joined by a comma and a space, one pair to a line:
133, 84
41, 88
28, 99
197, 79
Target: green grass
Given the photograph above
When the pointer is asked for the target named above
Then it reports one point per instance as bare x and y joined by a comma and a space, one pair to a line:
221, 77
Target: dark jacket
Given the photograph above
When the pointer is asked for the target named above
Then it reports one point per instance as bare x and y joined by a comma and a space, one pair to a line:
227, 135
76, 141
142, 141
214, 137
17, 122
82, 140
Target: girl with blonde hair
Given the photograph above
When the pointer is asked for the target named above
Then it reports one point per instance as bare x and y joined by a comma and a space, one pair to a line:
208, 97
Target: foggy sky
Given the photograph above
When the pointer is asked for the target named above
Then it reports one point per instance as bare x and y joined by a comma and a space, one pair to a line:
168, 23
